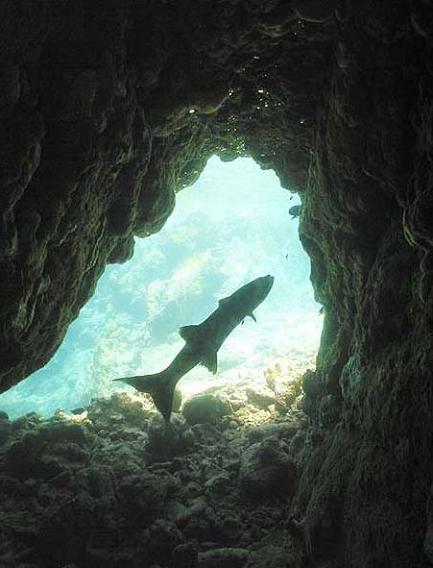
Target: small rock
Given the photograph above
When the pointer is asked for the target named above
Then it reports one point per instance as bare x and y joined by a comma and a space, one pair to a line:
120, 407
218, 484
206, 408
142, 495
60, 431
237, 403
231, 528
162, 538
184, 556
193, 489
196, 510
260, 398
276, 429
205, 433
266, 470
202, 526
27, 422
176, 511
223, 558
168, 440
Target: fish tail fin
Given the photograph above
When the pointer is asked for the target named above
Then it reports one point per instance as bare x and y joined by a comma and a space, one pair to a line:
160, 386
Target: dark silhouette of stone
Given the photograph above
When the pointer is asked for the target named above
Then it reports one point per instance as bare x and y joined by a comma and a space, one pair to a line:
267, 470
206, 408
108, 108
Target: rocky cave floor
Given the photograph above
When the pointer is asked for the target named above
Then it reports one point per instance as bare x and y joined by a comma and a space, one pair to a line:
113, 486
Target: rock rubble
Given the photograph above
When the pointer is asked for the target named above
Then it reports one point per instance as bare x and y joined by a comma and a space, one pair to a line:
115, 486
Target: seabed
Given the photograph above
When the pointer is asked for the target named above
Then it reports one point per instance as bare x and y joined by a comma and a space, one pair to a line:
113, 485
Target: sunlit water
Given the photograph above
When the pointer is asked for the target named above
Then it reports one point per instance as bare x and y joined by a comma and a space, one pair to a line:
232, 226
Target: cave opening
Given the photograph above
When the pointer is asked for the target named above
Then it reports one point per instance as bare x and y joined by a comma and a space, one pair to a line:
175, 278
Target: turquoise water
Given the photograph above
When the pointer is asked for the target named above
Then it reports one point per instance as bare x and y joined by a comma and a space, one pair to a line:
230, 227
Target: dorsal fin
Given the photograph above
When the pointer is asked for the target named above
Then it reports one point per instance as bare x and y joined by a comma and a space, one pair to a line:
223, 301
252, 316
187, 332
210, 360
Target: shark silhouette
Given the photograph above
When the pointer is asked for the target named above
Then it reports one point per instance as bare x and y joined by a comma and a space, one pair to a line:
202, 342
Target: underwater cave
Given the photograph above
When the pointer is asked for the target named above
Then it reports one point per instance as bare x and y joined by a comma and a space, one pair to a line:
176, 277
108, 109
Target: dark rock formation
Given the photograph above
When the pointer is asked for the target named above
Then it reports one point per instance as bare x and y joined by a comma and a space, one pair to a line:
107, 108
89, 490
266, 469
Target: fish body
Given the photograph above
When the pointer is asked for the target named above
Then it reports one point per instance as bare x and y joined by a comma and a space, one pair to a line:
202, 343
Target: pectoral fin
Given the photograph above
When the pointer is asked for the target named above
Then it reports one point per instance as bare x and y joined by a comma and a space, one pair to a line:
252, 316
210, 361
187, 332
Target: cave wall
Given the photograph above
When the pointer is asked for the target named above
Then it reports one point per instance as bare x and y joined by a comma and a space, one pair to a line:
97, 135
364, 492
109, 108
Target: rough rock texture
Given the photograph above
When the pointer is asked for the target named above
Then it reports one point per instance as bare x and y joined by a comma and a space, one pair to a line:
266, 469
91, 490
205, 408
108, 107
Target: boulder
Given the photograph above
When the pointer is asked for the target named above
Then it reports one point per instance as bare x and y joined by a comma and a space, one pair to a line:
168, 440
206, 408
161, 539
267, 470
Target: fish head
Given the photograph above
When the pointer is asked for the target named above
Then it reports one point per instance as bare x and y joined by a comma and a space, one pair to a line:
264, 285
255, 292
245, 300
